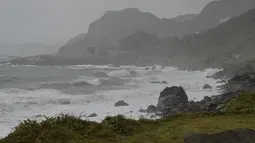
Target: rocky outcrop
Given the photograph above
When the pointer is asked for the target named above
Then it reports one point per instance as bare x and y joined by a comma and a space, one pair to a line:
207, 86
174, 100
164, 82
242, 82
230, 136
120, 103
64, 102
151, 109
92, 115
133, 73
171, 100
158, 82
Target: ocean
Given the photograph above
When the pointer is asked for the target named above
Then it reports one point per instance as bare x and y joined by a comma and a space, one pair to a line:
34, 91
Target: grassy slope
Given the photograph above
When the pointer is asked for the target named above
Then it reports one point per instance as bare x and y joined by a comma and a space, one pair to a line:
68, 129
242, 103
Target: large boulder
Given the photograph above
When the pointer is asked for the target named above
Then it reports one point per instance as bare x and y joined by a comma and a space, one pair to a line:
171, 99
207, 86
133, 73
164, 82
157, 82
231, 136
92, 115
151, 109
120, 103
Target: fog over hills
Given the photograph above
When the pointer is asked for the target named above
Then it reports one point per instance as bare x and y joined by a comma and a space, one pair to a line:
28, 49
50, 22
115, 25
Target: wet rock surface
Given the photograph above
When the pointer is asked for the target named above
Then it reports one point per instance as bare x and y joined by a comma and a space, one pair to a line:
120, 103
171, 100
92, 115
151, 109
207, 86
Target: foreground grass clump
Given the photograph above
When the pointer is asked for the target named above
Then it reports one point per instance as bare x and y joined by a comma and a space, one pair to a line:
242, 103
70, 129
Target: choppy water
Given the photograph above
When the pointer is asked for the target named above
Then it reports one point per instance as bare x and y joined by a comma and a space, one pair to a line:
30, 91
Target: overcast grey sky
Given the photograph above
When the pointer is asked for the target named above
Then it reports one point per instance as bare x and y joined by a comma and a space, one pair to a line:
53, 21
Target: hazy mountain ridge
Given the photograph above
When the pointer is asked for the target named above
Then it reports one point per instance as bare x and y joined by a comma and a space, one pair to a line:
230, 42
109, 29
115, 25
185, 17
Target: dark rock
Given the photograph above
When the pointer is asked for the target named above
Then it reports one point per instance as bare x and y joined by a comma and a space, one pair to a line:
153, 68
120, 103
92, 115
142, 111
141, 116
222, 81
211, 107
239, 83
164, 82
192, 107
151, 109
133, 73
207, 99
147, 68
230, 136
158, 82
169, 100
64, 102
220, 107
39, 116
155, 82
207, 86
152, 116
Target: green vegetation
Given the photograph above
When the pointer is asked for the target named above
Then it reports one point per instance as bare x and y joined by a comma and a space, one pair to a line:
70, 129
242, 103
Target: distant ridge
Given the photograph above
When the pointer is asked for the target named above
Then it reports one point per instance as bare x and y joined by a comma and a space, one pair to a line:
115, 25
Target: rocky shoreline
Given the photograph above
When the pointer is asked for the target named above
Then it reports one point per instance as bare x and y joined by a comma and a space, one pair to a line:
174, 100
181, 120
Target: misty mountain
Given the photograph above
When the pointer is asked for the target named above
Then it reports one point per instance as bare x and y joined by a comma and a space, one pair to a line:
211, 16
113, 26
183, 18
109, 29
28, 49
230, 42
75, 39
142, 43
216, 11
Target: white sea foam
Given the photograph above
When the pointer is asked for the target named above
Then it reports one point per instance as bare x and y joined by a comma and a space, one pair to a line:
119, 73
87, 80
17, 105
